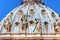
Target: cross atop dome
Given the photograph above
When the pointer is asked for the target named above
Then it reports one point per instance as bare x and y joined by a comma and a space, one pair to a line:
25, 0
36, 1
31, 0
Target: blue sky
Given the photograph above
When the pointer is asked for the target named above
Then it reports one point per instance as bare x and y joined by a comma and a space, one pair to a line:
7, 5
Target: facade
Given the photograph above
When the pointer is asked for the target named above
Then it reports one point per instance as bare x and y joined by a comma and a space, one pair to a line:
31, 20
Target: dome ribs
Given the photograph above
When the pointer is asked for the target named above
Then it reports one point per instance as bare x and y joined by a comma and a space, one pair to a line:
31, 17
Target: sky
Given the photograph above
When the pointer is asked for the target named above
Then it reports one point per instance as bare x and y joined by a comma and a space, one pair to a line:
7, 5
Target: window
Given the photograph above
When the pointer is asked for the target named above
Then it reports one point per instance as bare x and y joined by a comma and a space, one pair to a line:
7, 22
11, 14
5, 26
53, 14
37, 1
31, 3
43, 12
7, 29
56, 29
23, 18
56, 26
46, 23
31, 12
20, 13
46, 26
25, 2
38, 26
31, 22
24, 26
17, 23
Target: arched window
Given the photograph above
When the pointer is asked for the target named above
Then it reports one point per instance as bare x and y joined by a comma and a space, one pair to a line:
38, 23
24, 25
46, 26
7, 27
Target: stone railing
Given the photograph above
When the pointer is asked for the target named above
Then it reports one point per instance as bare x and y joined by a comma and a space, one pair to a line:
30, 36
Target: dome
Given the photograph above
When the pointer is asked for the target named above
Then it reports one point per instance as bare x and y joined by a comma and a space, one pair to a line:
29, 18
